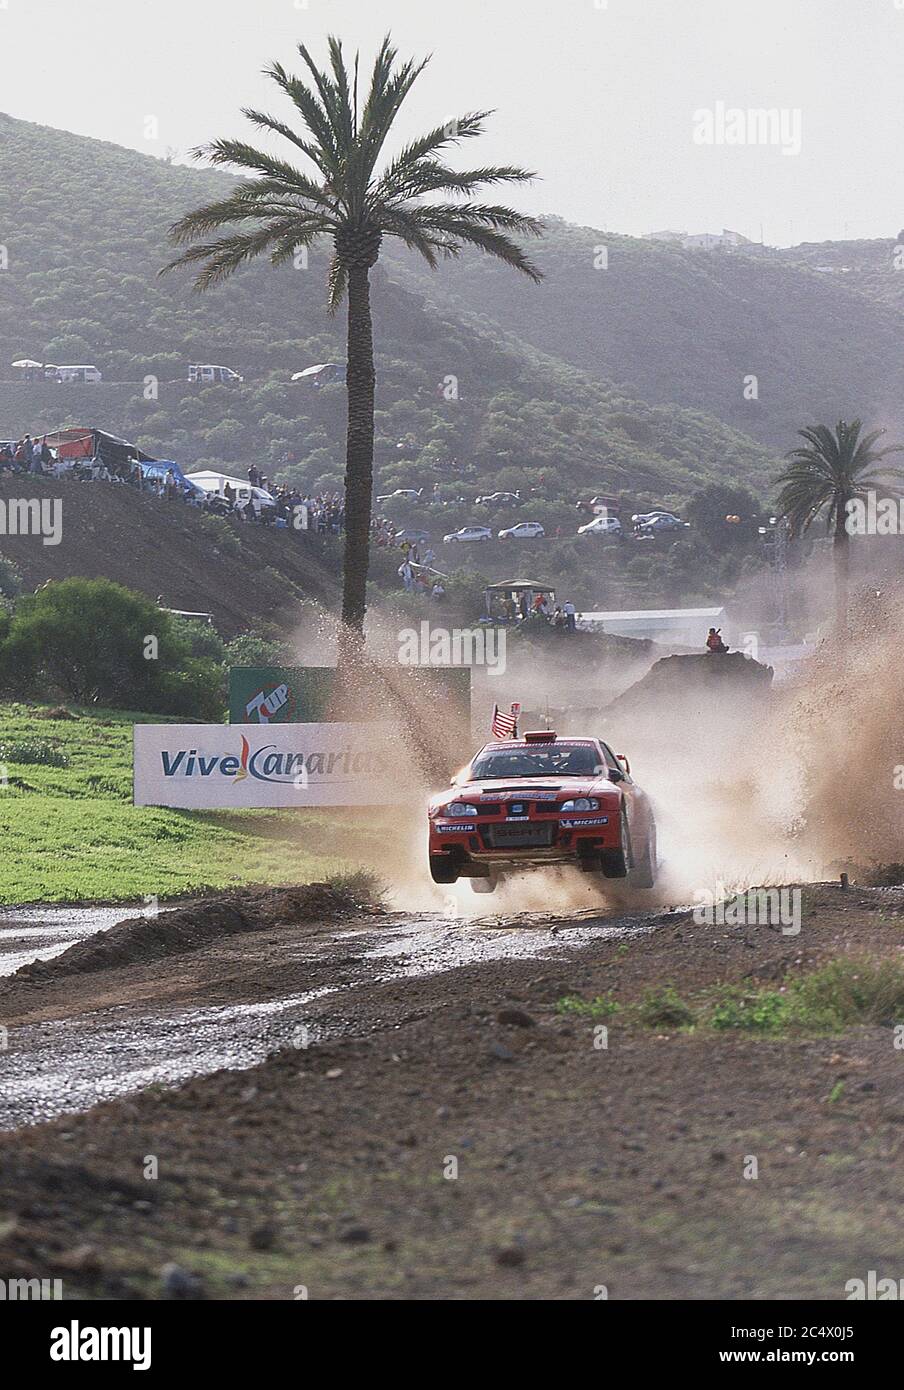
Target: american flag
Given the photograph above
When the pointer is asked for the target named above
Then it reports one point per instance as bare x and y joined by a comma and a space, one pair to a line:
505, 725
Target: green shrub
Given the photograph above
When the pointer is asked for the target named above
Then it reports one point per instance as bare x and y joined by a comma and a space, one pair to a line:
37, 752
663, 1008
746, 1011
96, 642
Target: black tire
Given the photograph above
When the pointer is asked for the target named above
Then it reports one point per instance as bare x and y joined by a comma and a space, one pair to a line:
615, 863
443, 869
643, 874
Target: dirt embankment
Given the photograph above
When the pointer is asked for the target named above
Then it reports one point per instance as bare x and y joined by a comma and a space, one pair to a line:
240, 574
679, 680
470, 1139
155, 937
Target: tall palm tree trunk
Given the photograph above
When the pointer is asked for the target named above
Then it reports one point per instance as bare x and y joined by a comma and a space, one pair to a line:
359, 459
841, 554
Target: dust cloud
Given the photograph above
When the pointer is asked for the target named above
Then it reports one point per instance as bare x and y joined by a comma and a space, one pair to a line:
752, 784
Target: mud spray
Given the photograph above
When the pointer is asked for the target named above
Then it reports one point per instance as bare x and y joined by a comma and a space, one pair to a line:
752, 784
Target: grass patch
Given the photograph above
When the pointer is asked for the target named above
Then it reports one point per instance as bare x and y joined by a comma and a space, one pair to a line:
841, 994
603, 1006
70, 832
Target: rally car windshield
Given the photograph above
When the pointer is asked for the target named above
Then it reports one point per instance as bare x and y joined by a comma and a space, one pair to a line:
554, 760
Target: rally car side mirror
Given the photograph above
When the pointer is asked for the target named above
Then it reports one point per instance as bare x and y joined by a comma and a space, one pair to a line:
615, 774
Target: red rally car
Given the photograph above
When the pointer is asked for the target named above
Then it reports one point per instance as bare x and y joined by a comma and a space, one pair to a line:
528, 802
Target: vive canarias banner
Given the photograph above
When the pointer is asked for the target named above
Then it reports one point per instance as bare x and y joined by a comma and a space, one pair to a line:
212, 766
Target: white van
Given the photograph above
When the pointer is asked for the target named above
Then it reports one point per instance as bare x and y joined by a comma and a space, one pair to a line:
214, 484
81, 374
207, 375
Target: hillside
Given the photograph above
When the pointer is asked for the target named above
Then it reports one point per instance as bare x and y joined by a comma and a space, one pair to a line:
686, 327
82, 286
247, 577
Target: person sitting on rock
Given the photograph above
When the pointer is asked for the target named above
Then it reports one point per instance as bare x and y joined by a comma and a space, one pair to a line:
714, 641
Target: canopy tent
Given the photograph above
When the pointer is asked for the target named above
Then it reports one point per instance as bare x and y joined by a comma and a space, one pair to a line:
157, 470
86, 443
520, 593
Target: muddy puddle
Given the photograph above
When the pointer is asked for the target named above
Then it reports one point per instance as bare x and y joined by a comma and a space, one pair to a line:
54, 1068
39, 933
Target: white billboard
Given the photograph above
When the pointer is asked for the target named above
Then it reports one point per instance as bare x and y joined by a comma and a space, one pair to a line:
212, 766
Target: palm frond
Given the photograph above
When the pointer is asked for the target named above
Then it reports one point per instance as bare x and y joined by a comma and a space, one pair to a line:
831, 469
461, 128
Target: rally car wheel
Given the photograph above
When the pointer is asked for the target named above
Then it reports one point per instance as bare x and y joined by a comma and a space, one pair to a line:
615, 862
484, 885
643, 874
443, 868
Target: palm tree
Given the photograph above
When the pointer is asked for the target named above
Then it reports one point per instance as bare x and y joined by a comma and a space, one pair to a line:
824, 475
356, 204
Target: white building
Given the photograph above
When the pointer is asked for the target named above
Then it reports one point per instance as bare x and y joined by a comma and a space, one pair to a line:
702, 241
678, 627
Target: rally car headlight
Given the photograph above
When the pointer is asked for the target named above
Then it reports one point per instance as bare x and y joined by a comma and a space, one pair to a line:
581, 803
458, 808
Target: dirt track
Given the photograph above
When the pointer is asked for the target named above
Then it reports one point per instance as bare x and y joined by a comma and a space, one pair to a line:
577, 1167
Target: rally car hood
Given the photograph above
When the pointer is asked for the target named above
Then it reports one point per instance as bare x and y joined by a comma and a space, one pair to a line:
525, 786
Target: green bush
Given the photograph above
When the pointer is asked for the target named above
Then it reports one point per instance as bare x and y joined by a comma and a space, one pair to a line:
663, 1008
252, 649
38, 752
96, 642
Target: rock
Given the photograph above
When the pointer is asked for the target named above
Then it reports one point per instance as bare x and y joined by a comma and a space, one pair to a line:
263, 1237
501, 1052
510, 1256
515, 1018
355, 1235
180, 1283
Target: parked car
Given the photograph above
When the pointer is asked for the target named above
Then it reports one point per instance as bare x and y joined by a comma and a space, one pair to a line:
207, 374
524, 531
66, 374
412, 535
410, 494
602, 526
469, 533
499, 499
213, 485
655, 522
644, 518
600, 505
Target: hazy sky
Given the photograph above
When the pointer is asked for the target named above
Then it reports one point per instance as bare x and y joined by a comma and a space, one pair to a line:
599, 96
